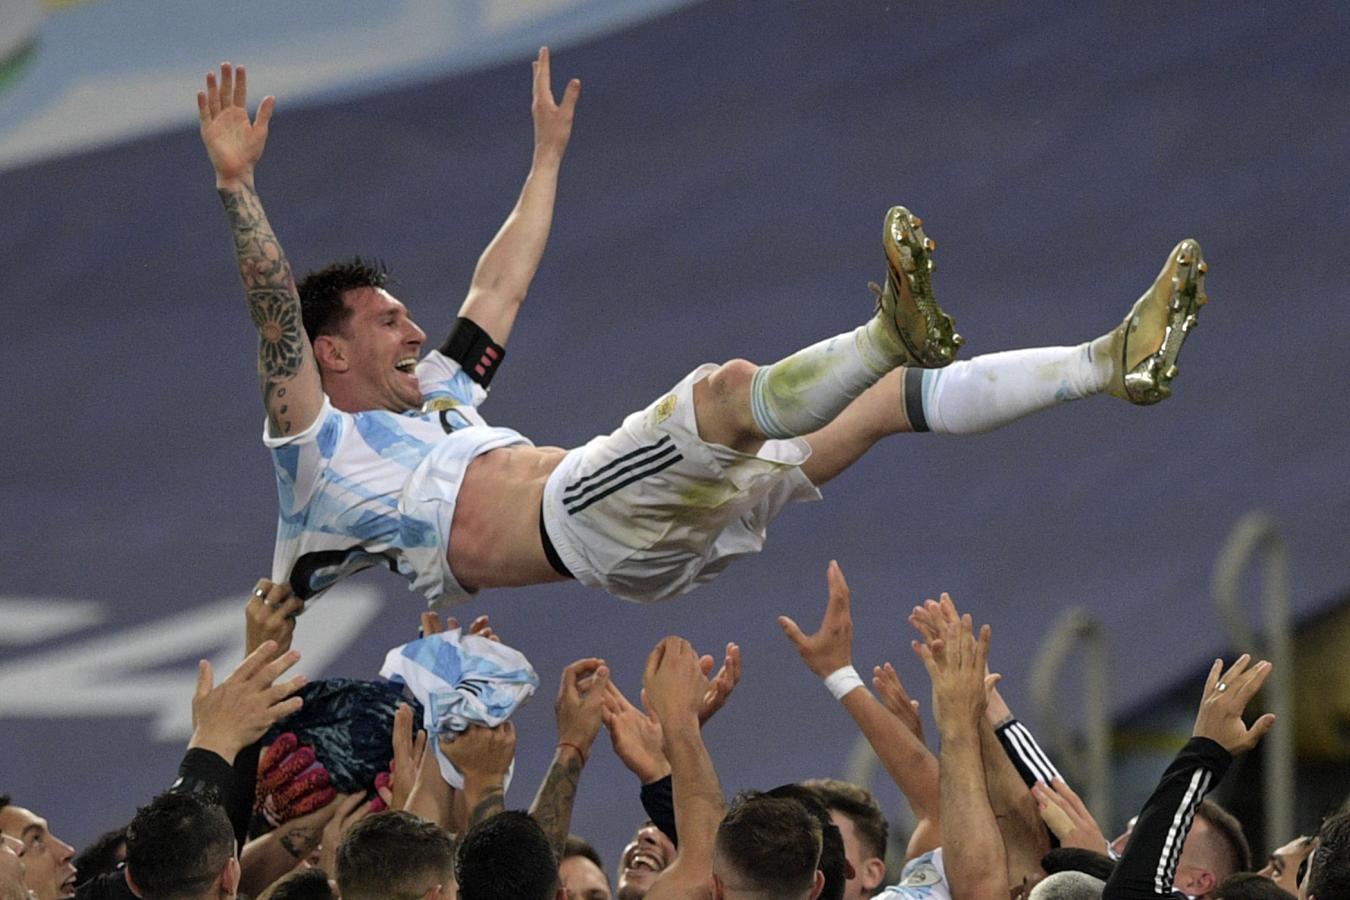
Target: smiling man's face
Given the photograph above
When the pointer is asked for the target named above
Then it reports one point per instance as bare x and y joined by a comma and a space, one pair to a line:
46, 859
645, 857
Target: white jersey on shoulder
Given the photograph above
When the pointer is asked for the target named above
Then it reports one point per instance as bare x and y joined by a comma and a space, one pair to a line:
342, 486
923, 878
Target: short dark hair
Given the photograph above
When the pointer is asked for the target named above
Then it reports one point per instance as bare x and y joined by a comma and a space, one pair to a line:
177, 845
506, 857
1329, 865
1250, 886
579, 846
100, 857
321, 304
4, 800
833, 863
304, 884
393, 854
1076, 859
1237, 852
772, 842
859, 805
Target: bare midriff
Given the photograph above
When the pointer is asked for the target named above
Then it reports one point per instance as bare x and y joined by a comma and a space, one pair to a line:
494, 536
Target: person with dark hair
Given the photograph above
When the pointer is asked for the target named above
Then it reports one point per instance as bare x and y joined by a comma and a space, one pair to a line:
302, 884
644, 858
1250, 886
581, 872
48, 870
395, 855
12, 869
1328, 875
1152, 865
181, 847
506, 857
1076, 859
1287, 863
382, 457
833, 862
767, 847
104, 855
862, 826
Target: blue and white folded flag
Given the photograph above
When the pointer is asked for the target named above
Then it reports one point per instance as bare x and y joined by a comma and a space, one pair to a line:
461, 680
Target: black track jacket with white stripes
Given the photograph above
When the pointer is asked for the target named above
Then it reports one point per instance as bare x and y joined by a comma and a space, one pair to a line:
1149, 863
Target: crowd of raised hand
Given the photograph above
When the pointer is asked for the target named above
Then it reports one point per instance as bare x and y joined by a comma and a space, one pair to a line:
256, 811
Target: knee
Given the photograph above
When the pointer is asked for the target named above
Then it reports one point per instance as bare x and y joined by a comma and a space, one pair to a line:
730, 381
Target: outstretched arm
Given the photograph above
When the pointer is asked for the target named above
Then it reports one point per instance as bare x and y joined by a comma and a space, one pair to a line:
507, 266
292, 393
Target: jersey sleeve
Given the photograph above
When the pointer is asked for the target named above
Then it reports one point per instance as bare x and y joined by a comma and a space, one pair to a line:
442, 378
1149, 863
300, 458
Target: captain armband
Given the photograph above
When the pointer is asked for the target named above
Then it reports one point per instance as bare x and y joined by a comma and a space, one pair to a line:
475, 352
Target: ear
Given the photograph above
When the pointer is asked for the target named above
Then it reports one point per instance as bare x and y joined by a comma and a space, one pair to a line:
330, 353
873, 873
820, 884
229, 877
131, 882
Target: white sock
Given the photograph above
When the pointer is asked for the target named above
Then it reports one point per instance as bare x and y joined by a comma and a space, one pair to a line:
805, 391
990, 391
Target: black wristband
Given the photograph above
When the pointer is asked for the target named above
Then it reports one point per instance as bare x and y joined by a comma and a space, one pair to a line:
475, 352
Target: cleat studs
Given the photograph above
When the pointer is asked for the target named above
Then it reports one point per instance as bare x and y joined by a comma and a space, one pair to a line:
929, 244
1170, 373
916, 221
1201, 299
1204, 267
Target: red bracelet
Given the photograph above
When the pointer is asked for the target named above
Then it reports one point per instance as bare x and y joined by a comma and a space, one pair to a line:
574, 747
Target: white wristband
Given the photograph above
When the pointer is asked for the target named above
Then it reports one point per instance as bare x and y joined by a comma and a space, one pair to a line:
842, 680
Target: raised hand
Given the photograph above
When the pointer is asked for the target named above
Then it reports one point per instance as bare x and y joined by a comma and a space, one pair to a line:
352, 809
896, 699
1067, 816
552, 120
270, 615
831, 647
481, 752
233, 143
956, 663
635, 735
580, 703
1225, 700
409, 743
722, 684
230, 716
674, 684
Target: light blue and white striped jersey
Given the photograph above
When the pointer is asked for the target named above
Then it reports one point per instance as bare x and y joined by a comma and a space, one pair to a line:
922, 878
361, 489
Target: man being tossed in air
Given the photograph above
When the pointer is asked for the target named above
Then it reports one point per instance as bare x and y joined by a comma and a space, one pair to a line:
381, 456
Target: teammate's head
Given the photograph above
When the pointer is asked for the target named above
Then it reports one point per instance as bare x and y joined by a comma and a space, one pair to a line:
1286, 863
365, 344
863, 827
181, 847
12, 869
506, 857
833, 863
48, 871
395, 856
767, 847
581, 871
1328, 873
1215, 849
646, 856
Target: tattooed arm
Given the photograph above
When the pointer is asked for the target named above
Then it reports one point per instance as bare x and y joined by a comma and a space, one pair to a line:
578, 710
507, 266
287, 373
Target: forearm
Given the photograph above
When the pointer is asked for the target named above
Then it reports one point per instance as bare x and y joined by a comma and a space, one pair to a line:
973, 850
286, 370
699, 804
552, 806
906, 759
1025, 838
266, 859
508, 265
484, 798
431, 797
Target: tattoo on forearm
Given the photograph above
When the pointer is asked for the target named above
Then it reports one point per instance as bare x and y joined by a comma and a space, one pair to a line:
300, 842
273, 304
553, 806
492, 802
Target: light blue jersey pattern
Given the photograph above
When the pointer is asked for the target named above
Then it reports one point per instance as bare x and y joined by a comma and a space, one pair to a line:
923, 878
361, 489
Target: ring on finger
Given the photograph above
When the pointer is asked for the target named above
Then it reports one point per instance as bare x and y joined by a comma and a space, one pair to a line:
1221, 687
259, 593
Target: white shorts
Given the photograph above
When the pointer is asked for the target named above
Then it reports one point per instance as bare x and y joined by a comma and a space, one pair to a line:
652, 510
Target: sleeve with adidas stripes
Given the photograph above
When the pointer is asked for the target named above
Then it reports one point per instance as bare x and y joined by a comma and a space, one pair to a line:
1031, 761
1149, 863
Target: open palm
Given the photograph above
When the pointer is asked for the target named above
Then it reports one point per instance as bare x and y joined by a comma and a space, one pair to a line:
233, 142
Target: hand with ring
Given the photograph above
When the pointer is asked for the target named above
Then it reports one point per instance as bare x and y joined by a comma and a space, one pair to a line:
1226, 696
270, 615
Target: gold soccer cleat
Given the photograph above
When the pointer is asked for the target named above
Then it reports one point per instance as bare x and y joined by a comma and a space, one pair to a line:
906, 303
1146, 344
